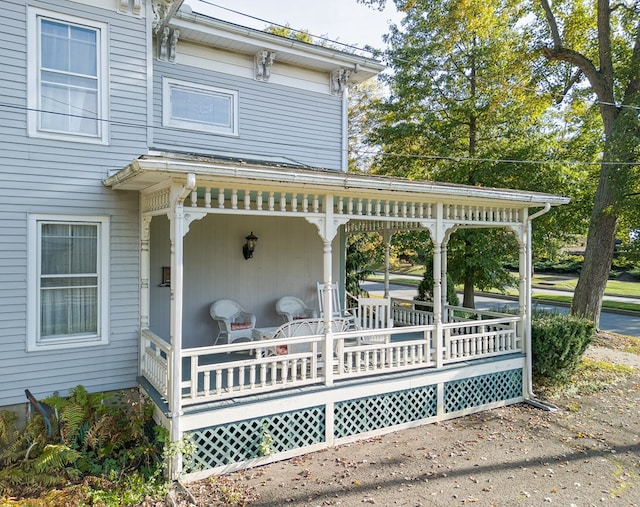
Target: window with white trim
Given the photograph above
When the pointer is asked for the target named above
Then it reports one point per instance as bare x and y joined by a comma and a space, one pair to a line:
199, 107
68, 270
67, 77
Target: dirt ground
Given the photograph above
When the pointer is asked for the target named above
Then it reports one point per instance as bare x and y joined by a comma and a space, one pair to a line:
585, 454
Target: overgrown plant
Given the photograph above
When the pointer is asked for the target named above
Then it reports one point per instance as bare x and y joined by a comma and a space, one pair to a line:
103, 441
265, 446
557, 343
29, 463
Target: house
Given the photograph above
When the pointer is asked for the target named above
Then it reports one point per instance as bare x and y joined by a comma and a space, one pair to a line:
144, 146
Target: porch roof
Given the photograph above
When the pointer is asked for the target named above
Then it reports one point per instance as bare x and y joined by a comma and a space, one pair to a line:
280, 174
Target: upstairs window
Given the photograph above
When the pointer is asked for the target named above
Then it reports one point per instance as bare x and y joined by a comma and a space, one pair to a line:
67, 78
199, 107
69, 263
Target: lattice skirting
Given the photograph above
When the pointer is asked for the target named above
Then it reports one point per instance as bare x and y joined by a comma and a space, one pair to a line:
362, 415
483, 390
243, 441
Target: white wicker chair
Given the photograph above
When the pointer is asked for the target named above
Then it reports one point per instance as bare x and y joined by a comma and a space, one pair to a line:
292, 308
234, 323
374, 313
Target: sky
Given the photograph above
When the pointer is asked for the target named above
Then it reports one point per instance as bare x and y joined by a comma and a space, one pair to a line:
344, 21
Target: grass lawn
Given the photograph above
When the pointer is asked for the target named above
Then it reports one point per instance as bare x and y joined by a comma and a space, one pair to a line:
543, 281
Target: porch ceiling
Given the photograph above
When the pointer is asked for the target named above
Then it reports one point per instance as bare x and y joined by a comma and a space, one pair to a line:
150, 170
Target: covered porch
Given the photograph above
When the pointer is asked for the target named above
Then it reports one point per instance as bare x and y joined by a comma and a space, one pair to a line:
428, 362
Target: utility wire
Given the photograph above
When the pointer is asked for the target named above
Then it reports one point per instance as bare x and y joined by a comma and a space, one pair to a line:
368, 153
377, 52
271, 23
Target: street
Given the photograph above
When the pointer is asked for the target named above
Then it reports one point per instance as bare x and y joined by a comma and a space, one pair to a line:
609, 321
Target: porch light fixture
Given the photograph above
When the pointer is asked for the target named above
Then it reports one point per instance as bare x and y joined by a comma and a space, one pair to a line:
249, 246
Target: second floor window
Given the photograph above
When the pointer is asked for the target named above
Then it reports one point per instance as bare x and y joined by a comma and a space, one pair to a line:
199, 107
68, 78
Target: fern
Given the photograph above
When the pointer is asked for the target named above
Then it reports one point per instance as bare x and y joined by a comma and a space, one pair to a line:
98, 436
55, 457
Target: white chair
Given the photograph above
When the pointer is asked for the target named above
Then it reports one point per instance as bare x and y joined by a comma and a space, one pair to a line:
337, 311
292, 308
374, 313
234, 323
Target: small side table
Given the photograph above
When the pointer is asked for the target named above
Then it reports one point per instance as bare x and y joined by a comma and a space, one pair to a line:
260, 334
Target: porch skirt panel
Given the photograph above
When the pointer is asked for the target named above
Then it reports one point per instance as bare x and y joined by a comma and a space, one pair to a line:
237, 442
250, 441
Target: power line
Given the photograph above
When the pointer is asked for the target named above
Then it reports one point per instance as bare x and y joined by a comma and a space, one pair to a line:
368, 153
377, 52
271, 23
499, 160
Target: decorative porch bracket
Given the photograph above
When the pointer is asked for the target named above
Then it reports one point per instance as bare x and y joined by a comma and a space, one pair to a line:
190, 217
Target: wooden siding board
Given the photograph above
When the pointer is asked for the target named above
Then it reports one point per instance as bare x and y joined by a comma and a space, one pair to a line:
273, 120
51, 176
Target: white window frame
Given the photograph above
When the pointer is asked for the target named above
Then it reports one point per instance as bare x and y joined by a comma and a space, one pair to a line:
34, 343
34, 16
169, 121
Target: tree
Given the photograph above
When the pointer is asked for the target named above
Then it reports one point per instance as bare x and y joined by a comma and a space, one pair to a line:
601, 41
363, 98
460, 107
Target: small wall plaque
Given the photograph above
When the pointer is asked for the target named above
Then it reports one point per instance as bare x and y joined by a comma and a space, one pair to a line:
166, 276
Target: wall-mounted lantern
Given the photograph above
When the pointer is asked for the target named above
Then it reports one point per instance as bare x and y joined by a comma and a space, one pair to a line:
249, 246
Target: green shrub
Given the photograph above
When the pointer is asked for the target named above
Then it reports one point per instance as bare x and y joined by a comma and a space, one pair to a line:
557, 342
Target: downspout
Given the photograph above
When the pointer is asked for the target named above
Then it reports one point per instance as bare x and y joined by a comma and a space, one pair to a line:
530, 396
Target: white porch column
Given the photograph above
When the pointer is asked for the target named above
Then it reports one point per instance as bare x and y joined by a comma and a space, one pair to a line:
327, 229
438, 235
145, 273
145, 276
437, 300
177, 230
386, 236
444, 279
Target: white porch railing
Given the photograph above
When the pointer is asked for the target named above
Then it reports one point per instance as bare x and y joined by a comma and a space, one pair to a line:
358, 353
155, 362
215, 373
478, 339
247, 368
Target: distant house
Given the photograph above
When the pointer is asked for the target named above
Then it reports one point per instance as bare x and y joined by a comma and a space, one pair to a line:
144, 146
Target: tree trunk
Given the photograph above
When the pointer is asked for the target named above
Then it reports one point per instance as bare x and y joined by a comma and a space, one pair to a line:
469, 300
587, 298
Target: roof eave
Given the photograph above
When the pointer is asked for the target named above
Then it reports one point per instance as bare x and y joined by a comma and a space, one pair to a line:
147, 171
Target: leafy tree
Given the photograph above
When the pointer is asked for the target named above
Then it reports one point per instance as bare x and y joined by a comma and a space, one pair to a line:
460, 110
363, 98
359, 259
600, 41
